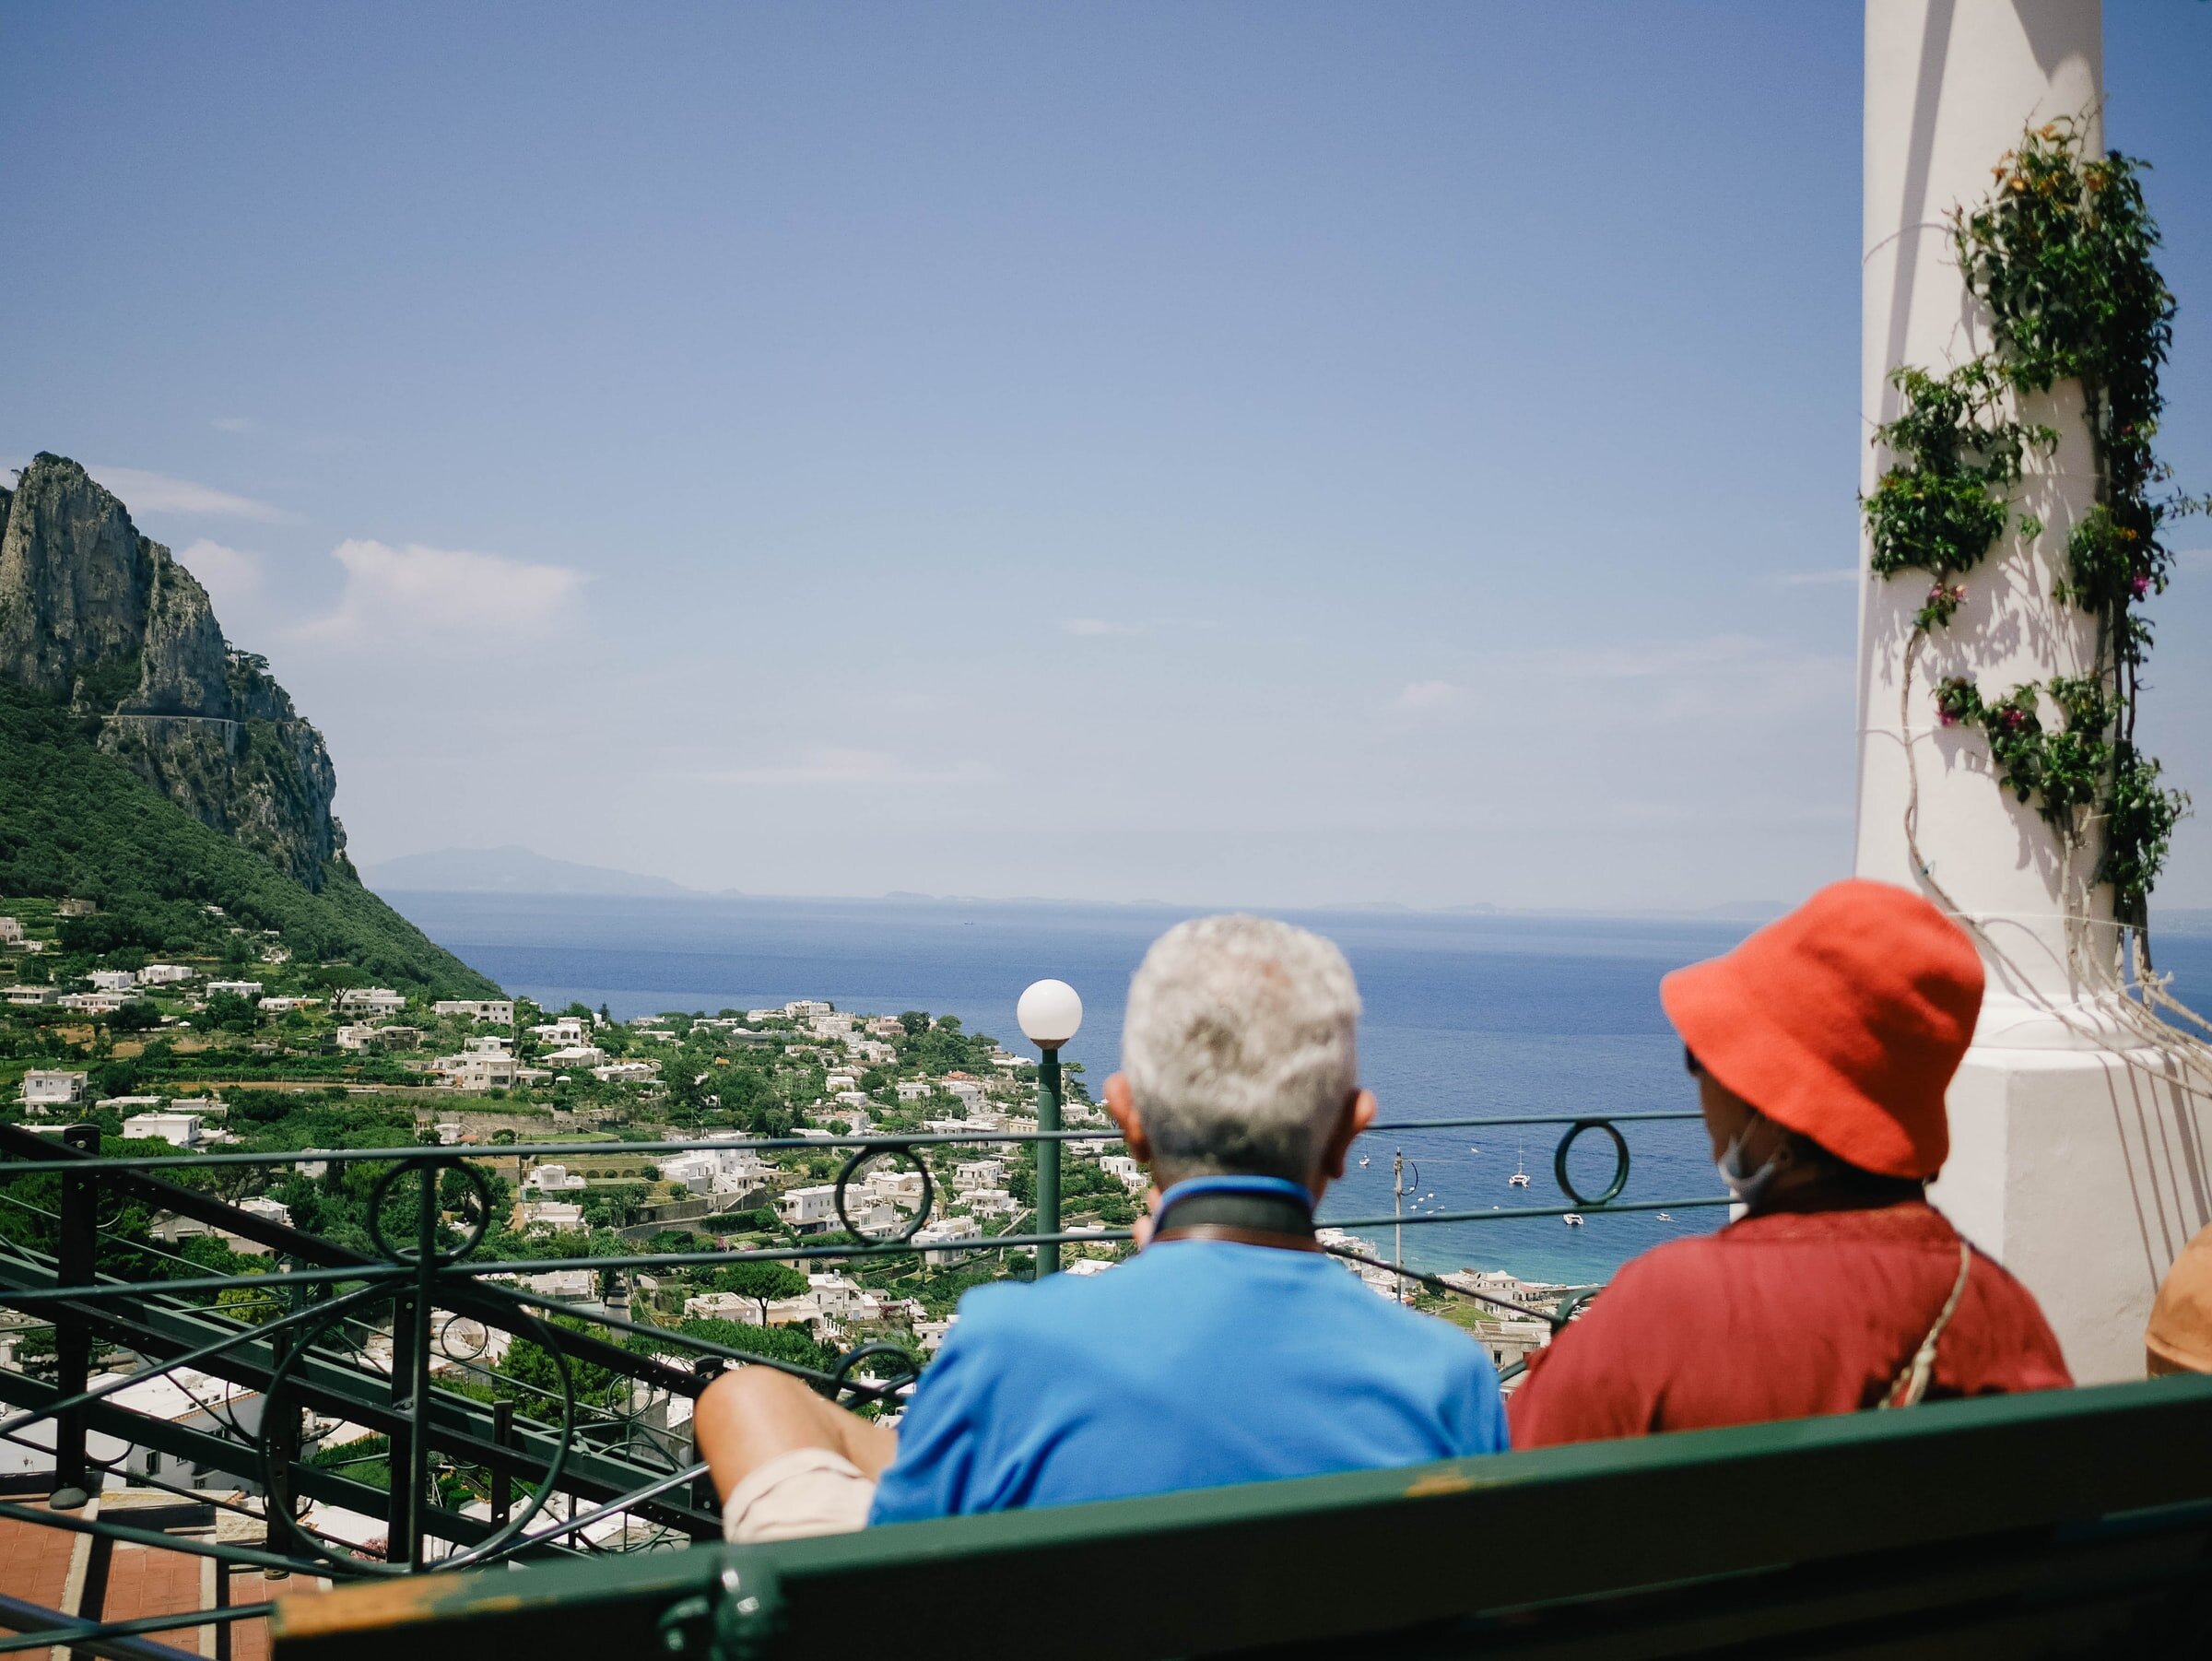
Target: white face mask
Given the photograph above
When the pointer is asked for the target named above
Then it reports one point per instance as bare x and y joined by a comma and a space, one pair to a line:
1746, 1185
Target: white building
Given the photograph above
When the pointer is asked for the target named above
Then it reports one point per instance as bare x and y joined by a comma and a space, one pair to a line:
574, 1055
179, 1130
928, 1239
477, 1070
555, 1179
267, 1209
359, 1036
111, 980
235, 988
738, 1170
693, 1171
562, 1030
916, 1090
45, 1089
810, 1210
11, 931
370, 1000
804, 1008
572, 1286
94, 1003
551, 1214
26, 998
1125, 1170
991, 1202
626, 1072
500, 1011
978, 1174
165, 974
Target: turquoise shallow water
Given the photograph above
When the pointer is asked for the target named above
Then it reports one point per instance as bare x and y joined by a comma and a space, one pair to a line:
1465, 1015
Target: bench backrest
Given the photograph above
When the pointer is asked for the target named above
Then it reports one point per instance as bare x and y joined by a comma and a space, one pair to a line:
2068, 1521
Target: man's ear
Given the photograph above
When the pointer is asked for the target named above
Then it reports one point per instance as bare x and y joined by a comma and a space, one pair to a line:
1122, 1104
1358, 1113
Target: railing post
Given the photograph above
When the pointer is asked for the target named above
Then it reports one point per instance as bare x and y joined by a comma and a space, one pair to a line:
1048, 1158
502, 1482
77, 1259
411, 1470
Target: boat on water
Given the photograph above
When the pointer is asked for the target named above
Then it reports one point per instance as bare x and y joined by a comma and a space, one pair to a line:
1574, 1220
1363, 1162
1667, 1216
1520, 1177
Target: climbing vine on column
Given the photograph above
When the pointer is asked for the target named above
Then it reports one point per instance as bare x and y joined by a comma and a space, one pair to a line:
2061, 256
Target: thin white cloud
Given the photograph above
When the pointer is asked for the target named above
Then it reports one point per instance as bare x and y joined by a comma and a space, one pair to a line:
407, 592
1092, 627
233, 424
834, 766
143, 492
1428, 695
1806, 579
226, 573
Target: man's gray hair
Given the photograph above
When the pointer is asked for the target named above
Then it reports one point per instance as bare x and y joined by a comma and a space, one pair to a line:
1240, 1045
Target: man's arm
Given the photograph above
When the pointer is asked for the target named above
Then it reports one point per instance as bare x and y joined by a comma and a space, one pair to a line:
754, 1414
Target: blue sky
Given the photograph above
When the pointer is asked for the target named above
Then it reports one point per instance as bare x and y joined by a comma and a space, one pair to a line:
1282, 454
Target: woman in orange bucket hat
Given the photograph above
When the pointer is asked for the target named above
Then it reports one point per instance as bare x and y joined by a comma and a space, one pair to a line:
1822, 1047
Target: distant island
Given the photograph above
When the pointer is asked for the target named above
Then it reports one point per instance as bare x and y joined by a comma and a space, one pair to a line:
510, 870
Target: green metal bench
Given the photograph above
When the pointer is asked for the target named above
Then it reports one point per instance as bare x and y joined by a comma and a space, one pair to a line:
2067, 1523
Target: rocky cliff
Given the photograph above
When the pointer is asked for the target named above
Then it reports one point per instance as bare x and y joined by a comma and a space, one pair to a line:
105, 620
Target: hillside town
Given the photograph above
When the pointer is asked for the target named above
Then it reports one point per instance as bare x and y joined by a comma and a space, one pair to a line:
257, 1051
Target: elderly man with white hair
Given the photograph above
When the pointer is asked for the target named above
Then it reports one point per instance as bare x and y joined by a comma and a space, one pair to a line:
1229, 1349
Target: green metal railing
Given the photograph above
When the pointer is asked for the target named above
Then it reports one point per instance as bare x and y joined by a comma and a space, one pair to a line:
476, 1467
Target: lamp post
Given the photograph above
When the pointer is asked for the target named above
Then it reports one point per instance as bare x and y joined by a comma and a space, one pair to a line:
1049, 1014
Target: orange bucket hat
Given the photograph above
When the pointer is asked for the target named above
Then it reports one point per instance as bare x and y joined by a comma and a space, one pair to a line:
1842, 1021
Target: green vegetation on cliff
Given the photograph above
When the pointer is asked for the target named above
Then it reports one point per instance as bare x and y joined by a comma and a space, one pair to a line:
76, 822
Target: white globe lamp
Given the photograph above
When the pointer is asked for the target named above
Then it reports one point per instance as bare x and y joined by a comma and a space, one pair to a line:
1050, 1013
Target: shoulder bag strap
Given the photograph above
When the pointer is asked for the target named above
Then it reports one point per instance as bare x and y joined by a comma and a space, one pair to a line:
1912, 1384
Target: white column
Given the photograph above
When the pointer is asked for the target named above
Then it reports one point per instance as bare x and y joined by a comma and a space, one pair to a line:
2074, 1159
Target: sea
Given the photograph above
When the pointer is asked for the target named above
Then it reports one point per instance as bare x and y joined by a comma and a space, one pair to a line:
1467, 1015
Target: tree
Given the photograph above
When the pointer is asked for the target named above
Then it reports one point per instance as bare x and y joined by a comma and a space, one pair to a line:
772, 1343
762, 1282
231, 1013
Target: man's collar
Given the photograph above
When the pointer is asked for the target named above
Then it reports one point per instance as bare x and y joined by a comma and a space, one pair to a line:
1250, 1211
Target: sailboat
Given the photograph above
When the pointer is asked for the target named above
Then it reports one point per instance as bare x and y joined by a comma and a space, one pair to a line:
1363, 1162
1520, 1177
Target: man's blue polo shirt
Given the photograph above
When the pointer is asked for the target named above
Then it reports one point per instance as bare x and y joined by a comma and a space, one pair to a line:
1197, 1363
